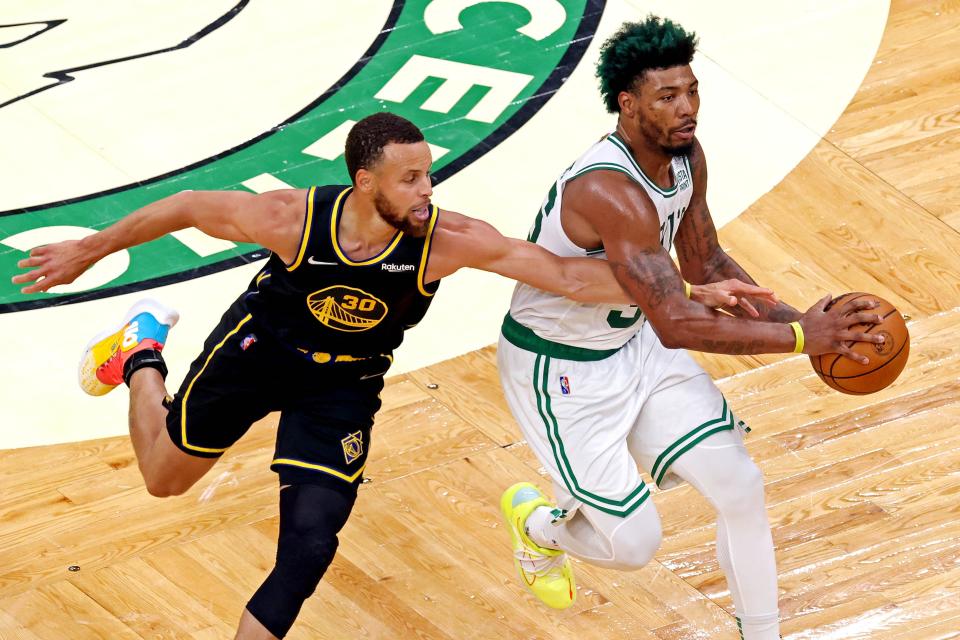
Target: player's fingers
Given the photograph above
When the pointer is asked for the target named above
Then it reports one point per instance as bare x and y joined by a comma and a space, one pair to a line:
760, 293
847, 352
770, 298
862, 317
862, 305
746, 289
823, 302
41, 285
749, 308
862, 336
29, 276
31, 261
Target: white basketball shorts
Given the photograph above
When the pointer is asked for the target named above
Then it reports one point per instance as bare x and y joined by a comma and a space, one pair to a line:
592, 417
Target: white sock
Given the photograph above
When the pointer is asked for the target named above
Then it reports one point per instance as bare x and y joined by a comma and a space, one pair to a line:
539, 527
762, 627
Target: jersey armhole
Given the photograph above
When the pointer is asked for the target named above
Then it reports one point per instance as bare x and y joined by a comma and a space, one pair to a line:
428, 289
305, 233
598, 166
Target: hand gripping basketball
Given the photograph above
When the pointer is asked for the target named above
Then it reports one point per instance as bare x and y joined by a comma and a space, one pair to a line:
831, 328
887, 358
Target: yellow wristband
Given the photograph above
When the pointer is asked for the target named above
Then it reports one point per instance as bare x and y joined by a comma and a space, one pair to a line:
687, 288
798, 333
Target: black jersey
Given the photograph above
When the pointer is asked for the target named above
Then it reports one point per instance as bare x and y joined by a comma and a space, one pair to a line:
324, 304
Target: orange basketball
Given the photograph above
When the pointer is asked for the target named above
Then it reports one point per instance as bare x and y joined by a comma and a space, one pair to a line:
886, 360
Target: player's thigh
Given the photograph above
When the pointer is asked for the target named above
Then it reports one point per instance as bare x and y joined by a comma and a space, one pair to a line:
237, 379
324, 436
576, 416
170, 470
688, 413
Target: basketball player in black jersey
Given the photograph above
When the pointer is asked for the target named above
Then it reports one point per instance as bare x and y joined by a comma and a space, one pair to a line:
352, 267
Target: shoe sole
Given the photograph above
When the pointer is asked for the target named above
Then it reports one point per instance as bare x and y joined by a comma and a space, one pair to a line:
163, 313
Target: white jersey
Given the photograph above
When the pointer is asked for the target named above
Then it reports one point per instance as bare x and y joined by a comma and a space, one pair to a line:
585, 326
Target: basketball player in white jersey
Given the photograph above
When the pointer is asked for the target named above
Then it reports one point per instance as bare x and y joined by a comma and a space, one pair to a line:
600, 389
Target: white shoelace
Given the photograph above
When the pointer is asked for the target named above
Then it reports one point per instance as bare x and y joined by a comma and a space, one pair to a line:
536, 563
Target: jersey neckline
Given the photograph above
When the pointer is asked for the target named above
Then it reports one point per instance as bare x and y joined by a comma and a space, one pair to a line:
335, 240
623, 146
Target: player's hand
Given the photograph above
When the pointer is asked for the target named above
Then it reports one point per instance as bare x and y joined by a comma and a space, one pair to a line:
730, 294
829, 331
52, 264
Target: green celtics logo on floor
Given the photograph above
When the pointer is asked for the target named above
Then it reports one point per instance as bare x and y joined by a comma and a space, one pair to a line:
468, 72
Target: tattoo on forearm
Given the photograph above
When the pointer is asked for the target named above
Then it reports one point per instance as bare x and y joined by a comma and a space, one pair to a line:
782, 313
648, 271
732, 347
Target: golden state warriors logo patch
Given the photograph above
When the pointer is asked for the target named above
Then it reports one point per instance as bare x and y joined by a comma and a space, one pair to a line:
346, 308
352, 446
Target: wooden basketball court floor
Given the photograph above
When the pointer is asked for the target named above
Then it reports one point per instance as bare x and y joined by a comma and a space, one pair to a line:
863, 492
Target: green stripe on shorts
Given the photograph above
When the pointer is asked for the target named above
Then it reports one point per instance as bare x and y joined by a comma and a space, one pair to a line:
690, 440
620, 508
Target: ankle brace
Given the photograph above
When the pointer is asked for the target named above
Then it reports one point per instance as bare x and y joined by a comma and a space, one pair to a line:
145, 358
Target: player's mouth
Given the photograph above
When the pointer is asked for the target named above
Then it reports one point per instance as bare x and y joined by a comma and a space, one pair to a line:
685, 132
422, 212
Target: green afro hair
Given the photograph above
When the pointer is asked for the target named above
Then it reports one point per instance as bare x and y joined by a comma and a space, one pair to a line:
654, 43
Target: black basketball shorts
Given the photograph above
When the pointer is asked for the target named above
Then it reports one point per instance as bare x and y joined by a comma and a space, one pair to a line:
243, 373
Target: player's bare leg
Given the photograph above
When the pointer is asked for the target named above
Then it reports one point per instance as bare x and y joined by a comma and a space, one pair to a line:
166, 470
251, 629
130, 353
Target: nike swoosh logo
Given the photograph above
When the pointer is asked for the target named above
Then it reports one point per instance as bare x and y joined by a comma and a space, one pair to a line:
321, 263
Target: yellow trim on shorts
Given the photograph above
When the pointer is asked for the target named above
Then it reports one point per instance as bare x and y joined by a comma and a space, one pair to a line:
318, 467
426, 252
334, 216
186, 395
307, 223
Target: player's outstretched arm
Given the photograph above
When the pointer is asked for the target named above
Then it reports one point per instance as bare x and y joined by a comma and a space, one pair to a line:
272, 220
701, 257
628, 225
460, 241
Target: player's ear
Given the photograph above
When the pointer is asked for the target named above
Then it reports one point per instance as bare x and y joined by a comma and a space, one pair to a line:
629, 104
629, 100
365, 180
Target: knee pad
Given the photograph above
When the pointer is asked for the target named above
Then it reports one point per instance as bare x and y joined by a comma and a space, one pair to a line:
310, 518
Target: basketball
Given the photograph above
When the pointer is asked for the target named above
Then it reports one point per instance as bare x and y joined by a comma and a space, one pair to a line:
886, 360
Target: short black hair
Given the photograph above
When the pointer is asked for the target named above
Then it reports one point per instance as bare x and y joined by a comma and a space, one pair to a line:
367, 138
655, 43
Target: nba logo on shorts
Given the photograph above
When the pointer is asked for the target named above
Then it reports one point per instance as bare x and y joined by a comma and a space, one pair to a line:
564, 385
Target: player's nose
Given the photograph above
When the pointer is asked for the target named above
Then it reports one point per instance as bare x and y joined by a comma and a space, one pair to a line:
426, 187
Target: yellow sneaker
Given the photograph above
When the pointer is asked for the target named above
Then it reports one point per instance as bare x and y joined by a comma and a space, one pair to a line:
547, 573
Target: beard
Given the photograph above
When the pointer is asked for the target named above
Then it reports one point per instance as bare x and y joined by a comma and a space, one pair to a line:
400, 221
678, 150
661, 138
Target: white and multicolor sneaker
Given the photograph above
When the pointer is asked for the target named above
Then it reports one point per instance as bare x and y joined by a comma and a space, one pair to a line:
547, 573
145, 327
